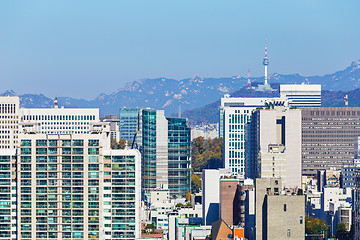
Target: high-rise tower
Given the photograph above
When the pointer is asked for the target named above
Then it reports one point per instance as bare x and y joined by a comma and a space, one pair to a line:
249, 82
266, 63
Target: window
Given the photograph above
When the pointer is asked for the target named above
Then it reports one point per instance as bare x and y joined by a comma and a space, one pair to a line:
288, 232
301, 220
284, 207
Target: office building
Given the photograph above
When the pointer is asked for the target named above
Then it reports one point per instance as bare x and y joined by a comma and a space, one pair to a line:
60, 120
347, 177
113, 120
128, 118
74, 186
235, 116
328, 137
357, 206
301, 95
9, 122
278, 216
276, 145
165, 146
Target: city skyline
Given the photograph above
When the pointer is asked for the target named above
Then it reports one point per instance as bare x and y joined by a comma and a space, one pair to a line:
81, 45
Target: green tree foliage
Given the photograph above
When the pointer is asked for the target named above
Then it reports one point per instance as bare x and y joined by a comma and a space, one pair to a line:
206, 153
341, 232
117, 145
195, 183
315, 226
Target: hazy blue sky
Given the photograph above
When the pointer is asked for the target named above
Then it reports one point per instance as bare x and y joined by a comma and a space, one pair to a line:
83, 48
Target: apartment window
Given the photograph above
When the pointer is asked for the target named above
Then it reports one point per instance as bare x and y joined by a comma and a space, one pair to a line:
284, 207
301, 220
288, 232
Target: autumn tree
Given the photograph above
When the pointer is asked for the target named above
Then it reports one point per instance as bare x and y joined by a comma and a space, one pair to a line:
206, 153
315, 226
117, 145
195, 183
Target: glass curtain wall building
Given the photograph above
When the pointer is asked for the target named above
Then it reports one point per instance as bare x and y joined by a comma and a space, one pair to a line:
8, 194
128, 122
165, 152
179, 138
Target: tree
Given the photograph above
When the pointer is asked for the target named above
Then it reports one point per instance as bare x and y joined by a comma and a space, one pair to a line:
341, 232
122, 143
117, 145
206, 153
113, 143
315, 226
188, 196
195, 183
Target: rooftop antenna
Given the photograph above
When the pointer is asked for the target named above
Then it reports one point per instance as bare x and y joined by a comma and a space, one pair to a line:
249, 82
266, 63
56, 103
346, 100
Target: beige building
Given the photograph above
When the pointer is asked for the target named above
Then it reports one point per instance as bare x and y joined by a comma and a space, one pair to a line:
9, 122
278, 216
277, 144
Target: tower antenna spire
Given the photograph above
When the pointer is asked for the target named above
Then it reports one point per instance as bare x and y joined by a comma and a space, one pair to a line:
266, 63
249, 82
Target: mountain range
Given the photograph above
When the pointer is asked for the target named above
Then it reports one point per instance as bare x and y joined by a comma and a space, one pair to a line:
196, 92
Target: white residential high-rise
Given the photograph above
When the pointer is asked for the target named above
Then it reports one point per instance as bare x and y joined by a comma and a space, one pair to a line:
301, 95
75, 186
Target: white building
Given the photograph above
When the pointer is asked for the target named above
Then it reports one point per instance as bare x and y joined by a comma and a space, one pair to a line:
50, 120
60, 120
235, 116
9, 121
211, 194
332, 200
207, 131
114, 125
75, 186
301, 95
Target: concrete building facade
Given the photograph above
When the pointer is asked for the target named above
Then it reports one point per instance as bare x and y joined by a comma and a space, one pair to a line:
278, 216
211, 194
276, 145
114, 122
328, 137
9, 122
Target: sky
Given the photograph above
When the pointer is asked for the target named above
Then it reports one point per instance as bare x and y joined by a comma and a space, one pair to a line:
82, 48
